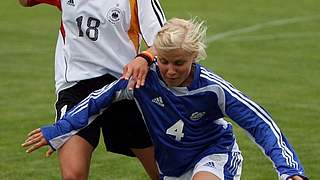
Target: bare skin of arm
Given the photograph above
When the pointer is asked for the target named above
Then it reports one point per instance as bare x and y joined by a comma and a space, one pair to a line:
24, 3
137, 69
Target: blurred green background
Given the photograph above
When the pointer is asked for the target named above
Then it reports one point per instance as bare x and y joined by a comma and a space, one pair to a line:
268, 49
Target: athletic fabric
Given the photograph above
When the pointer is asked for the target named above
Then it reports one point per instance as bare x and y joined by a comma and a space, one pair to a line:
186, 123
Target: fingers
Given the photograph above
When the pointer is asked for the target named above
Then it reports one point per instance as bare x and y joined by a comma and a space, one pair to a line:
141, 77
131, 84
34, 132
127, 72
34, 141
138, 79
31, 141
49, 152
137, 70
37, 145
138, 83
134, 79
33, 137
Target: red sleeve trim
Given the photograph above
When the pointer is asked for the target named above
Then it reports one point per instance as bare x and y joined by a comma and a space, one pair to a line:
56, 3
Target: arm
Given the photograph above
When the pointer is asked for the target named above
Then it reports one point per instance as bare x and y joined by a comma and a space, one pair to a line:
29, 3
262, 129
151, 18
138, 68
78, 117
23, 3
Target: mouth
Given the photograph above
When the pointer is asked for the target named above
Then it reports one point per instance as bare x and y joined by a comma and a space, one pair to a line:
171, 78
172, 81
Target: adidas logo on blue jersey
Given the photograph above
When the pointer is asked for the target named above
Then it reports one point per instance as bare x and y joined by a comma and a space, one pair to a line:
70, 2
158, 100
210, 164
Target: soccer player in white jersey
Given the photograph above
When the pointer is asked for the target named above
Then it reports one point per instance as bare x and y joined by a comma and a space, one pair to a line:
96, 41
184, 105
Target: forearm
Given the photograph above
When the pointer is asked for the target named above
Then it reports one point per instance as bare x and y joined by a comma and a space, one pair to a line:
84, 113
265, 132
56, 135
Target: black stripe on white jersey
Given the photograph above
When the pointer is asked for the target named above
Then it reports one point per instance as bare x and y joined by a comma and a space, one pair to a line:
158, 11
161, 11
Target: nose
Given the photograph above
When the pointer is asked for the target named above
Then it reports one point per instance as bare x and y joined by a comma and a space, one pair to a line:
171, 70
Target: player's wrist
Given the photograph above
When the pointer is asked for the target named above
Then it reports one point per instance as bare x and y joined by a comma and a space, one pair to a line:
147, 56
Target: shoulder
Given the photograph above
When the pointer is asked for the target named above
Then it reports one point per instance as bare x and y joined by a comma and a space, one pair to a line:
206, 75
209, 78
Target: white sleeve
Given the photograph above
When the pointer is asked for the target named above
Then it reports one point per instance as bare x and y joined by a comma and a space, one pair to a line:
151, 19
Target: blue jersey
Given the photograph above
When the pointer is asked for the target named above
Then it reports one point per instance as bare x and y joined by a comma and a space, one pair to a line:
186, 123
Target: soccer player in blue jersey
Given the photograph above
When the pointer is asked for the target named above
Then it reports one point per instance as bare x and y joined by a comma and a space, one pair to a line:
184, 105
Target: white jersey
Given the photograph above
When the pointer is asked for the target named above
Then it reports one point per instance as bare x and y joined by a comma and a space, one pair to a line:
101, 36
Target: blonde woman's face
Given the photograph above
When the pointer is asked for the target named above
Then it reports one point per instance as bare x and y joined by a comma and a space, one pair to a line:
175, 67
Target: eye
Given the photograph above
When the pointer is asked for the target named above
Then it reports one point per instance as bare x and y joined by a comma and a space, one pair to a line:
179, 63
163, 61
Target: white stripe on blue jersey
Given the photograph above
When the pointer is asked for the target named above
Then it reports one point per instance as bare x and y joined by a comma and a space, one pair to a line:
83, 114
287, 153
280, 142
94, 95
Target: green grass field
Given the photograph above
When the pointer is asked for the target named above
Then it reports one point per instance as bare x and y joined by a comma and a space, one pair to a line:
268, 49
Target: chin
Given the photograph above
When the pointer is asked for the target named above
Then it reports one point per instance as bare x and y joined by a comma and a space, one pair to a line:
172, 84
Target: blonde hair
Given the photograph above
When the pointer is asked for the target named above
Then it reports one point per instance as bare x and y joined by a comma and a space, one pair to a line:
188, 35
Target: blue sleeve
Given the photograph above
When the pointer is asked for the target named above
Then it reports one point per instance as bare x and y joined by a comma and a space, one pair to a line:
84, 113
263, 130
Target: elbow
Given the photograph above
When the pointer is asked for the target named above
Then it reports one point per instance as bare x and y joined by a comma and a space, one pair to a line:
23, 3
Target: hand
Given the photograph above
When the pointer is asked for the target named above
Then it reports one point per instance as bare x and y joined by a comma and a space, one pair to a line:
34, 141
138, 69
295, 178
49, 152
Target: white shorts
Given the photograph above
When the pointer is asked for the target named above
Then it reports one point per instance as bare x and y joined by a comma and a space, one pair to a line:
225, 166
